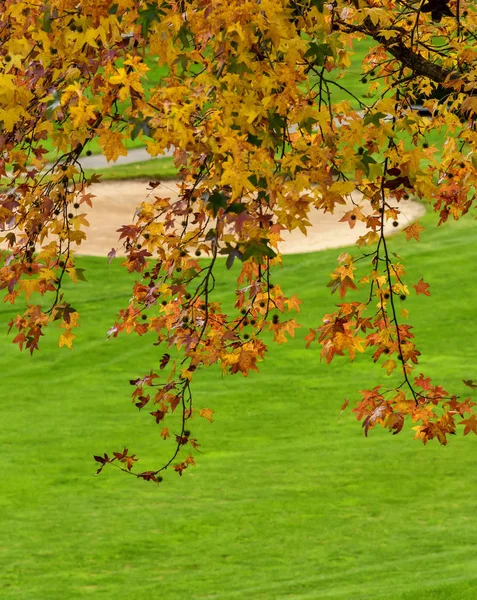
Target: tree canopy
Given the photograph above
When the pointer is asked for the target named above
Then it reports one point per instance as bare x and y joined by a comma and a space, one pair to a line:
254, 99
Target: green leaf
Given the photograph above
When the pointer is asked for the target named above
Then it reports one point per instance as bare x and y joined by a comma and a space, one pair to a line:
366, 160
318, 4
236, 208
80, 274
258, 182
140, 125
253, 139
238, 67
373, 118
318, 53
148, 16
259, 250
217, 200
278, 123
235, 253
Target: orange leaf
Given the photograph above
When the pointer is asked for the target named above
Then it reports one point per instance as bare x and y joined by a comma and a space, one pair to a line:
413, 231
206, 413
311, 337
470, 424
293, 303
422, 288
343, 407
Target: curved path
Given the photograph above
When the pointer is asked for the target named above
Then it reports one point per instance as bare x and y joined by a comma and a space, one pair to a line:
115, 202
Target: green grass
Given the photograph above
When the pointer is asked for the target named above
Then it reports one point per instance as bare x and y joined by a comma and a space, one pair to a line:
287, 502
159, 168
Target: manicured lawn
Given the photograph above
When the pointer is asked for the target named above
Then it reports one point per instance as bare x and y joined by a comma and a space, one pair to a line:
287, 502
157, 168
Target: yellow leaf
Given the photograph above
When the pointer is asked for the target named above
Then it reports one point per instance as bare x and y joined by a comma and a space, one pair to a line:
111, 143
29, 286
389, 365
343, 187
11, 116
66, 339
206, 413
186, 374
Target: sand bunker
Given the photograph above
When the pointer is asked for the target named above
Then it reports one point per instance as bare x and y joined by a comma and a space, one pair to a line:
115, 203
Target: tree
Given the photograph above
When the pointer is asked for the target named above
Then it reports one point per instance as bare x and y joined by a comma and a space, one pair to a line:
247, 102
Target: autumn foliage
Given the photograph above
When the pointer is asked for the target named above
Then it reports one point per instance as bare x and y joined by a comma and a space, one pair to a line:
247, 103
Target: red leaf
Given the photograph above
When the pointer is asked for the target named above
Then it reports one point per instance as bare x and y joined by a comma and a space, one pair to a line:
158, 415
164, 360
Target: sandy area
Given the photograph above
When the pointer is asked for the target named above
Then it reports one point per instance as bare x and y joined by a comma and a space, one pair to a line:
115, 203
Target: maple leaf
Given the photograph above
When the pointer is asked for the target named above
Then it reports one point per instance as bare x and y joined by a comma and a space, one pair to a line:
470, 424
343, 407
142, 401
389, 365
129, 461
293, 303
422, 288
351, 217
149, 476
246, 361
111, 143
29, 286
120, 455
311, 337
103, 460
178, 468
206, 413
413, 231
66, 339
20, 339
422, 382
158, 415
395, 423
470, 383
164, 360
